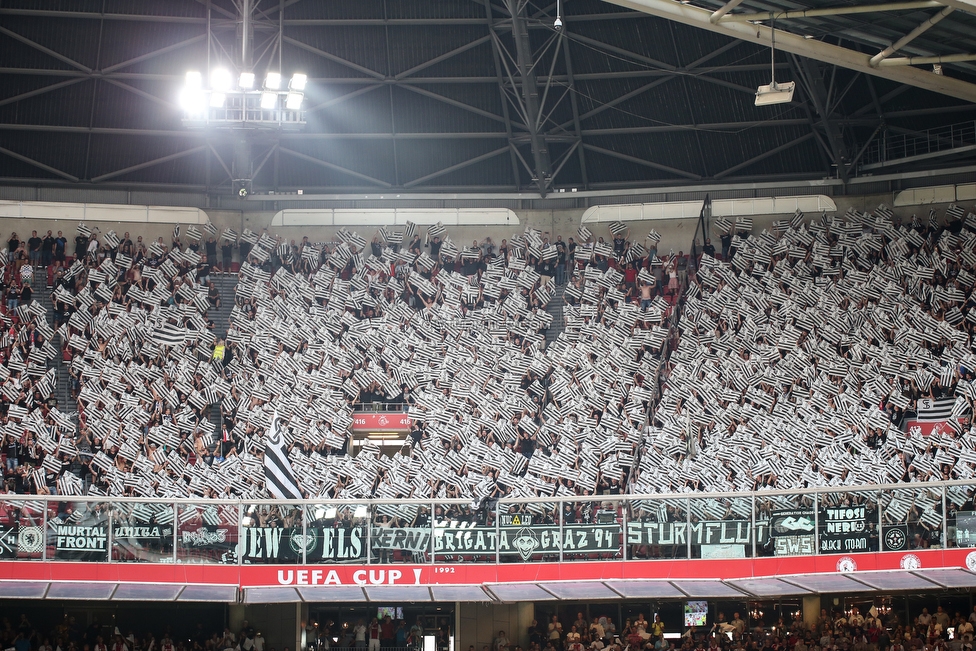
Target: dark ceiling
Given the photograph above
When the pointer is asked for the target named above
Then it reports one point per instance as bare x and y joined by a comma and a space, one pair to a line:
457, 95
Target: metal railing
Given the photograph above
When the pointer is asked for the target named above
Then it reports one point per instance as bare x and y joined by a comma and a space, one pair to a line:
604, 527
892, 146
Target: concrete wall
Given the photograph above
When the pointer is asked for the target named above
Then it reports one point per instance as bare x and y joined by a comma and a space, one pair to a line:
675, 234
480, 623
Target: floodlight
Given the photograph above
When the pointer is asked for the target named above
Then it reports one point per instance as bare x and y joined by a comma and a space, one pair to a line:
194, 79
193, 100
269, 100
775, 94
297, 82
217, 100
220, 79
293, 101
246, 81
272, 81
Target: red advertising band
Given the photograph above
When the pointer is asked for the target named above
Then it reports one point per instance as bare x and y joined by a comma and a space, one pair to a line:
381, 422
920, 561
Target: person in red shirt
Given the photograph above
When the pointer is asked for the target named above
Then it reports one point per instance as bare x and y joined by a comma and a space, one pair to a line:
373, 633
387, 633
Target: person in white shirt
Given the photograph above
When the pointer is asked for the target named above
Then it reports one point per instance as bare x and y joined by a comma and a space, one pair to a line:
258, 642
360, 634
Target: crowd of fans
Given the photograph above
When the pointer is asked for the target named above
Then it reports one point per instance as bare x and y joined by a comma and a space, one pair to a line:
71, 635
800, 350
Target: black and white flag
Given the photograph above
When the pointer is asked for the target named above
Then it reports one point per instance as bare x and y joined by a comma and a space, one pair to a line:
277, 469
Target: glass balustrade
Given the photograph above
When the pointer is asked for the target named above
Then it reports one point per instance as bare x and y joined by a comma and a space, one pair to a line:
829, 520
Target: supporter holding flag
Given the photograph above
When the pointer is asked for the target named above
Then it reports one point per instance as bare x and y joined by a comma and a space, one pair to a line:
277, 469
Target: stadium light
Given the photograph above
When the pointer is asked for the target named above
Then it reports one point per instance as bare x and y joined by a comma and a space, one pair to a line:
298, 81
246, 82
293, 101
272, 81
269, 100
221, 80
193, 100
217, 99
774, 93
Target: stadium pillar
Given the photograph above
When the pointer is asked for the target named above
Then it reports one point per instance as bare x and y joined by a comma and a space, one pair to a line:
811, 610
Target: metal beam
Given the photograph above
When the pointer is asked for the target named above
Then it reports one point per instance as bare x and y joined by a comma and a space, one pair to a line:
83, 15
530, 95
910, 36
443, 57
457, 104
502, 93
577, 128
331, 57
760, 35
764, 155
41, 91
724, 9
334, 167
920, 157
48, 51
925, 61
154, 53
342, 98
38, 164
968, 6
141, 93
813, 82
645, 163
831, 11
150, 163
458, 166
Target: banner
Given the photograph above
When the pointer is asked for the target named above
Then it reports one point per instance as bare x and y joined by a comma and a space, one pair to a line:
526, 541
966, 528
279, 545
83, 543
8, 541
843, 530
381, 422
894, 538
793, 532
709, 532
411, 539
930, 427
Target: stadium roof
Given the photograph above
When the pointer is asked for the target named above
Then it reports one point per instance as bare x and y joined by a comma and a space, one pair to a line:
486, 95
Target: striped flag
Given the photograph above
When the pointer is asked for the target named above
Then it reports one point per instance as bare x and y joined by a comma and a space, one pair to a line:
278, 474
935, 409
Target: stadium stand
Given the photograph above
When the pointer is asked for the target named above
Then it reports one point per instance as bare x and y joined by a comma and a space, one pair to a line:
797, 360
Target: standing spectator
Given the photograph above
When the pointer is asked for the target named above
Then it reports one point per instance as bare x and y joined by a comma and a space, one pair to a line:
227, 255
34, 248
81, 246
555, 630
726, 239
374, 634
13, 296
47, 249
211, 249
60, 242
560, 260
13, 243
26, 274
708, 249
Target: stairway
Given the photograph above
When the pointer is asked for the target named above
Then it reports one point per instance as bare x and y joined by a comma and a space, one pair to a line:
227, 286
555, 308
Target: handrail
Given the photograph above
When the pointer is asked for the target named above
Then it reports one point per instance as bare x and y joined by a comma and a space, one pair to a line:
860, 488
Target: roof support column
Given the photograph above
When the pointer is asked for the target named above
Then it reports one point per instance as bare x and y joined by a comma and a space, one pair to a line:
530, 93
